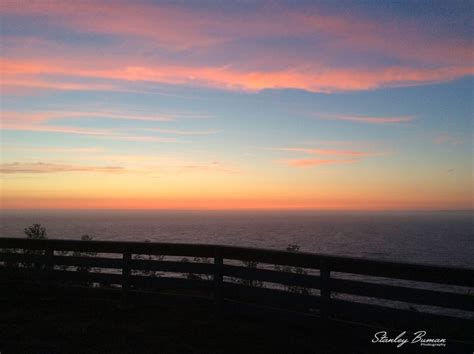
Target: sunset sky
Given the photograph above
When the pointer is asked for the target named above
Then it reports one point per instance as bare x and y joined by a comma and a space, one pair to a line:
344, 105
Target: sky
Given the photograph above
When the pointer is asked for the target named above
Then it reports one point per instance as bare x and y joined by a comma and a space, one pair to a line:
347, 105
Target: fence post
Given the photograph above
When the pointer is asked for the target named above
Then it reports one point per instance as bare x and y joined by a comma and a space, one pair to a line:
48, 252
325, 274
126, 258
218, 263
49, 264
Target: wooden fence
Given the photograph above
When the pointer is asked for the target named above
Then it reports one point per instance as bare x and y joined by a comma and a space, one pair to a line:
310, 284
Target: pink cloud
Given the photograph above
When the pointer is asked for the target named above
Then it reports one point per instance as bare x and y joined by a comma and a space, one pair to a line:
204, 28
102, 133
41, 167
151, 49
346, 144
57, 129
355, 156
317, 79
51, 149
335, 152
11, 84
182, 132
152, 22
316, 162
38, 122
44, 116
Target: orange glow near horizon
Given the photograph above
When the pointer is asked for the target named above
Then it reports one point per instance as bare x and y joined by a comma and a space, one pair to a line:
231, 192
228, 204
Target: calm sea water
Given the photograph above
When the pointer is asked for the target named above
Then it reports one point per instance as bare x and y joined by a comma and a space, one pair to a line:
443, 238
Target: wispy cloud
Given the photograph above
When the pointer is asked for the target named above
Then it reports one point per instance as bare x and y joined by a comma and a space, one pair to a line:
207, 167
39, 122
316, 162
353, 156
136, 21
203, 51
207, 28
15, 84
316, 78
334, 152
161, 163
368, 119
370, 145
181, 132
45, 116
41, 167
447, 138
59, 129
51, 149
150, 139
99, 133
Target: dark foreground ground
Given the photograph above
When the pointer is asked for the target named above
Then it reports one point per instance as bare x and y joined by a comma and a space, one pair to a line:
32, 322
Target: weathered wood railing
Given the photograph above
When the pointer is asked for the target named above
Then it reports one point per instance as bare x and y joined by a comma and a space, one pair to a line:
314, 284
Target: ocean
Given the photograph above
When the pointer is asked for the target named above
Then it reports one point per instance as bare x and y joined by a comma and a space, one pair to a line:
440, 238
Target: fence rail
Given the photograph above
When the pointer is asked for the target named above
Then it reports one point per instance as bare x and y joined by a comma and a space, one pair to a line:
311, 283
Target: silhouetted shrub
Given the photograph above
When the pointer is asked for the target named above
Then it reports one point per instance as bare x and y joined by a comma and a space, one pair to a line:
34, 232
